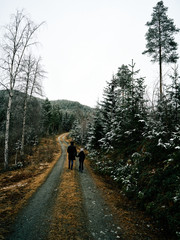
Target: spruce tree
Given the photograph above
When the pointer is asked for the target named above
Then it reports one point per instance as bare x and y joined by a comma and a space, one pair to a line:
130, 113
95, 130
47, 116
108, 111
175, 94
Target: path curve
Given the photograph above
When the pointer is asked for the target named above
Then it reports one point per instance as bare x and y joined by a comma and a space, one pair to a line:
33, 221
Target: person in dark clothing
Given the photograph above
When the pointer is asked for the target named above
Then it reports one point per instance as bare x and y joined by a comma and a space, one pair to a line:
72, 153
81, 156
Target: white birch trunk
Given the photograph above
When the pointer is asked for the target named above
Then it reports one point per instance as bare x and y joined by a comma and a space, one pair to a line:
6, 149
24, 126
18, 38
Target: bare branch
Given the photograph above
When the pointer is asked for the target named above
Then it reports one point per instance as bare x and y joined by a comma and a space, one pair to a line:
17, 40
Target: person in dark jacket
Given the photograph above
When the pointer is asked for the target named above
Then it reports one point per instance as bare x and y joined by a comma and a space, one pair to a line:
81, 156
72, 153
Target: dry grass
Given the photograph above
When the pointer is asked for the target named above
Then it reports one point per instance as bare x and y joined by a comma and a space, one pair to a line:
69, 221
17, 186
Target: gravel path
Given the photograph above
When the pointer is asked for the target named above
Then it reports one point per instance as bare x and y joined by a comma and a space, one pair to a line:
32, 223
100, 220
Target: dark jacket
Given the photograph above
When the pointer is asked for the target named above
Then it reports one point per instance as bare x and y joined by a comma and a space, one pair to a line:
72, 152
81, 156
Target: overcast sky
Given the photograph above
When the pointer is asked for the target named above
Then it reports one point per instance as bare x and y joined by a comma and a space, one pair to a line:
83, 42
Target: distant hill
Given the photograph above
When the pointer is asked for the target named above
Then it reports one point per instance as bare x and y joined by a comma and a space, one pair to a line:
68, 105
41, 119
65, 105
74, 108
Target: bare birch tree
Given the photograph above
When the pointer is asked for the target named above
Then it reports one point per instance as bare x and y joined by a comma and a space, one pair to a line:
32, 73
19, 36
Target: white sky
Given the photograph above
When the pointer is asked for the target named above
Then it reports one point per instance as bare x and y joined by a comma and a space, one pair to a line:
85, 41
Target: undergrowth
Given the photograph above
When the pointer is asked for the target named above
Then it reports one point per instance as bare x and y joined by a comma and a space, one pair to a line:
153, 186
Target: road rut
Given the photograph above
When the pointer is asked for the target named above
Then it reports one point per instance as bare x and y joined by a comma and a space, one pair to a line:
100, 224
34, 220
32, 223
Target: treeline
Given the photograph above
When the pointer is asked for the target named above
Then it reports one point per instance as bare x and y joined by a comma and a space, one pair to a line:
24, 118
138, 145
60, 115
43, 118
137, 142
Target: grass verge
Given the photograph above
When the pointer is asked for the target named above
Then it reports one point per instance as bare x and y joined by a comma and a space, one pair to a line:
18, 186
69, 221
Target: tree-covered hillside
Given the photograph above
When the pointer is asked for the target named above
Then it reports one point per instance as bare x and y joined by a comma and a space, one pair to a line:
43, 118
137, 145
135, 142
71, 106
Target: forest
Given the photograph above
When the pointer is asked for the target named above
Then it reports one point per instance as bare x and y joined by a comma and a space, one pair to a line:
44, 118
137, 145
136, 142
132, 141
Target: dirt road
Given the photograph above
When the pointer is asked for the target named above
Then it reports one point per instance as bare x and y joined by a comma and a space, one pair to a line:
70, 206
100, 220
32, 223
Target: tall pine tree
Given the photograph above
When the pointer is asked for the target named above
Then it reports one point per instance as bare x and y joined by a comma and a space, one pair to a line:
161, 45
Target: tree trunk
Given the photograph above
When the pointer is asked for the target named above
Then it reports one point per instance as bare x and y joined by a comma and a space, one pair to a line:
6, 150
176, 93
160, 74
18, 38
24, 126
160, 62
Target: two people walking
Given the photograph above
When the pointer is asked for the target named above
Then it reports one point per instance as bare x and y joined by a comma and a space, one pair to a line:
72, 154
